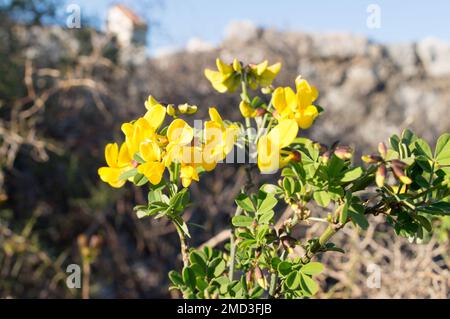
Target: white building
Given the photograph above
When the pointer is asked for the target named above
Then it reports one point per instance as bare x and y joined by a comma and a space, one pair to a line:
126, 26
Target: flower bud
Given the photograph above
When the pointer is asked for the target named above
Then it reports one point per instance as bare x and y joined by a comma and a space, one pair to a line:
343, 152
95, 241
400, 174
237, 66
380, 176
82, 240
246, 109
382, 149
288, 243
192, 109
326, 156
249, 278
298, 79
171, 111
372, 159
183, 108
296, 156
399, 164
260, 111
267, 90
260, 278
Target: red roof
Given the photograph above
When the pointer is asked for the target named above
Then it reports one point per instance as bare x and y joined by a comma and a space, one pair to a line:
131, 15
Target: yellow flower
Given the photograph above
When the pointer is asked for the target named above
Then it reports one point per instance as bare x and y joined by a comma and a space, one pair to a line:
179, 135
144, 128
153, 168
119, 162
226, 79
262, 74
219, 139
188, 173
191, 162
270, 146
298, 106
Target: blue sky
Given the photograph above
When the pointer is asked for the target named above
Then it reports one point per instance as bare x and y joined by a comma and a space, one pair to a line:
179, 20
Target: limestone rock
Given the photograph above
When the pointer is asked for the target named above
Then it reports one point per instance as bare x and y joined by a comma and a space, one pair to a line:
435, 56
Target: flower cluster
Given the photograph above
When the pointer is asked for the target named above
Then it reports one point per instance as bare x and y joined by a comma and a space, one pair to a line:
298, 106
149, 149
229, 77
292, 111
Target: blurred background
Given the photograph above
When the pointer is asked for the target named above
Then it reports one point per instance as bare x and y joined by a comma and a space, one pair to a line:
72, 71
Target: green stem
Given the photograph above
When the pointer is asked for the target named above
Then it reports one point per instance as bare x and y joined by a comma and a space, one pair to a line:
273, 284
233, 247
323, 239
183, 245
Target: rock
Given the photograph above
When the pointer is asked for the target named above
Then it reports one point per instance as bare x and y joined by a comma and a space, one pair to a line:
241, 32
404, 56
339, 45
435, 56
195, 45
361, 80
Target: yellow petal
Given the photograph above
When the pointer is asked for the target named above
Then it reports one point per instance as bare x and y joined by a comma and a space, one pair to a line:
111, 154
188, 173
111, 176
305, 94
124, 158
151, 101
155, 116
284, 133
275, 68
150, 151
223, 67
180, 132
284, 101
268, 155
261, 67
215, 116
306, 118
153, 171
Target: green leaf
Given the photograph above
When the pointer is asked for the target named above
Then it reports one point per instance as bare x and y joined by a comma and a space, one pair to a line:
242, 221
201, 283
424, 222
293, 280
351, 174
335, 165
139, 179
308, 284
128, 174
422, 148
312, 268
141, 213
182, 224
197, 258
270, 188
358, 219
395, 141
289, 185
244, 202
266, 202
189, 278
219, 268
322, 198
180, 200
442, 152
175, 278
284, 268
266, 217
137, 157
